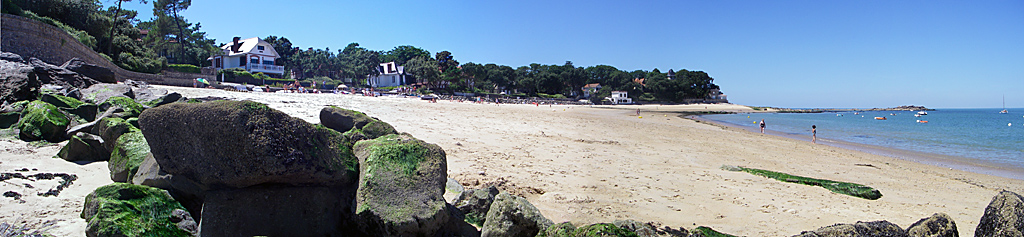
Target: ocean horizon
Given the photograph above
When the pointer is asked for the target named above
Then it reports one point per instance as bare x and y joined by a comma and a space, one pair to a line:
982, 137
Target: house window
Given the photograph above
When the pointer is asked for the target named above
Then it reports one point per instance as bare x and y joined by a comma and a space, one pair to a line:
254, 61
268, 62
219, 62
260, 47
241, 63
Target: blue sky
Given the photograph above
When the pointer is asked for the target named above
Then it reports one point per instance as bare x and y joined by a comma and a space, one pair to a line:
940, 54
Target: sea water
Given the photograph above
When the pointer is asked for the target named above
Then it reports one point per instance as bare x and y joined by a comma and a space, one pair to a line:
980, 134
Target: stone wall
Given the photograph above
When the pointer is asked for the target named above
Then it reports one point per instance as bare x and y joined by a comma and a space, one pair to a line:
30, 38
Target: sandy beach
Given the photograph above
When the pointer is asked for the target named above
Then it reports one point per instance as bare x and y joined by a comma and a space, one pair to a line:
597, 164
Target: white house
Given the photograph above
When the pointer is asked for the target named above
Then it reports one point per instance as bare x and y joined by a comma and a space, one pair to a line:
390, 75
591, 89
620, 97
252, 54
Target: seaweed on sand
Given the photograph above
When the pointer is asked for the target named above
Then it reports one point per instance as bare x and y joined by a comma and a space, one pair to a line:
852, 189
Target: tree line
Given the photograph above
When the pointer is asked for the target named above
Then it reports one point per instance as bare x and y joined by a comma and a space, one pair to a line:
442, 72
117, 34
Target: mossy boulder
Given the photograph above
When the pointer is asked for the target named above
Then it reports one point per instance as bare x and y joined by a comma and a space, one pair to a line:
1004, 216
356, 125
511, 215
401, 186
85, 112
121, 209
937, 225
874, 228
474, 203
342, 120
640, 228
130, 107
564, 229
129, 151
110, 129
84, 147
602, 230
42, 121
236, 144
60, 101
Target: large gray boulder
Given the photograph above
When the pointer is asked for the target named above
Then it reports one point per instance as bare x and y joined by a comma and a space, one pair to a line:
18, 82
356, 125
401, 184
860, 229
937, 225
236, 144
121, 209
101, 74
274, 211
56, 75
511, 215
1004, 216
474, 203
100, 92
641, 229
109, 129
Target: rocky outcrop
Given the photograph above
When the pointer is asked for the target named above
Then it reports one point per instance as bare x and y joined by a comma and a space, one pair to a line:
1004, 216
131, 108
50, 74
513, 216
110, 129
474, 203
132, 210
937, 225
401, 166
42, 121
18, 82
238, 144
356, 125
101, 74
860, 229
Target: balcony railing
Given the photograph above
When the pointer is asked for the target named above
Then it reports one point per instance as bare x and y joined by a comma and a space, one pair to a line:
265, 68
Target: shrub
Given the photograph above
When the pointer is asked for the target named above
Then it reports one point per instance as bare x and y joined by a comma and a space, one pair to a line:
186, 68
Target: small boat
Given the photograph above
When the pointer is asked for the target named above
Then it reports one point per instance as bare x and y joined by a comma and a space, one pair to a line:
1004, 106
922, 113
880, 118
922, 121
917, 115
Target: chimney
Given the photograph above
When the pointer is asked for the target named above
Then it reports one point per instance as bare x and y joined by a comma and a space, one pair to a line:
235, 46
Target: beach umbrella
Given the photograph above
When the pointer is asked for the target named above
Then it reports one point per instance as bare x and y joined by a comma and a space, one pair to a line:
203, 80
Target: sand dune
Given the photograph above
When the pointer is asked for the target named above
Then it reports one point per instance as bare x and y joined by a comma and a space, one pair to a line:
596, 164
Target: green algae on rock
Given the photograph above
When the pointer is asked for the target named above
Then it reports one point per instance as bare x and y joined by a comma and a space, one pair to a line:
401, 166
131, 108
42, 121
129, 151
511, 215
121, 209
602, 230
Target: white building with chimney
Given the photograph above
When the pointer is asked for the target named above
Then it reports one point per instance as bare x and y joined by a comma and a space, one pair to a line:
252, 54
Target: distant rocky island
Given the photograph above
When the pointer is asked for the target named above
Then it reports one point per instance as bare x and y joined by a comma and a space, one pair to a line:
828, 110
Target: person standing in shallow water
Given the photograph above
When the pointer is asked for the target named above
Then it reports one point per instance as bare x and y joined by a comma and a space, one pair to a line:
762, 126
814, 134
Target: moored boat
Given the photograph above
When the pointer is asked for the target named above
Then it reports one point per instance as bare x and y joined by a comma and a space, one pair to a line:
880, 118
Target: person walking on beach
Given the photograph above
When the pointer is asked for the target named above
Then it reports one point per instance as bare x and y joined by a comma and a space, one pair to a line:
762, 126
814, 134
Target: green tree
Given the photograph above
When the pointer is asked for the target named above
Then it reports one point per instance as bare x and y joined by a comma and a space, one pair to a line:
116, 16
424, 70
402, 54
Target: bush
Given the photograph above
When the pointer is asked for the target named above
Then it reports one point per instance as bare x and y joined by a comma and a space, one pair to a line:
81, 36
555, 96
186, 68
